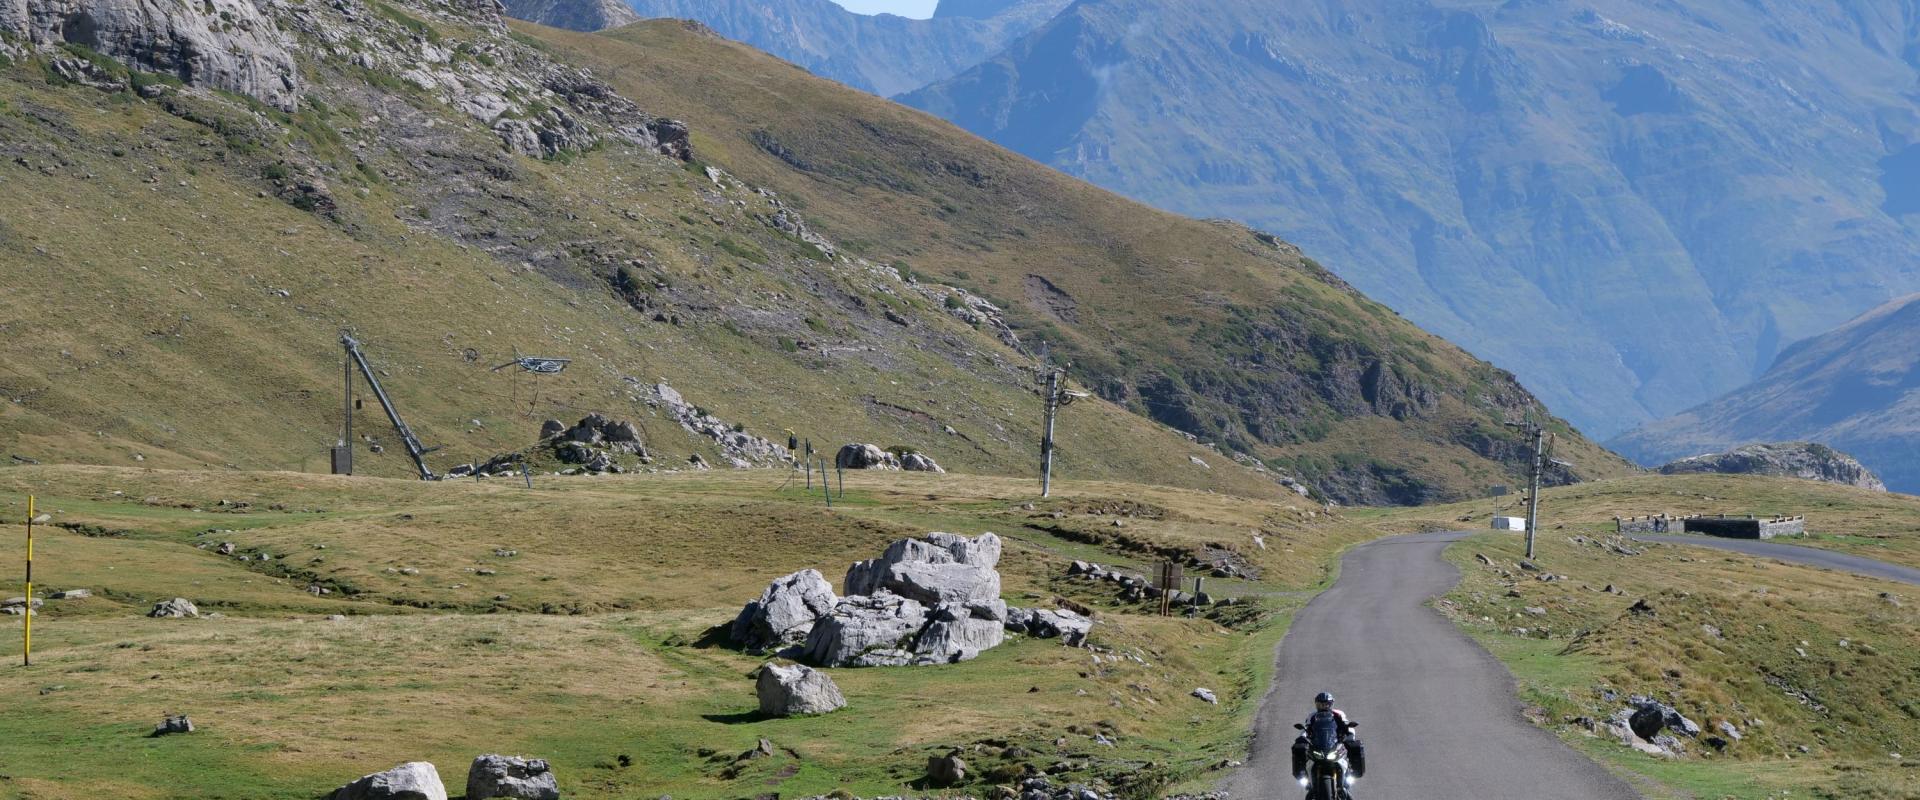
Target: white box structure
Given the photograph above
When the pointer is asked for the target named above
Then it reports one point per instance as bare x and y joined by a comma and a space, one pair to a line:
1509, 523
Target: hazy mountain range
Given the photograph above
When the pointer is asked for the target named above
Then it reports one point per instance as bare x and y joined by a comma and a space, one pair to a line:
1856, 388
883, 54
1634, 205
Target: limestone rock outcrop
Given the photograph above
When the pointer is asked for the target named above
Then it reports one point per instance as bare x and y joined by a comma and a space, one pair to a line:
933, 600
513, 777
219, 44
920, 462
785, 612
176, 608
1805, 460
865, 456
942, 568
1050, 623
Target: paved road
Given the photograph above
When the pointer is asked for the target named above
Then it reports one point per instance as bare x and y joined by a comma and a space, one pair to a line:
1437, 713
1810, 556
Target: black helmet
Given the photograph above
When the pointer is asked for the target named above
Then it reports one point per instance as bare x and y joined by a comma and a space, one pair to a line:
1323, 697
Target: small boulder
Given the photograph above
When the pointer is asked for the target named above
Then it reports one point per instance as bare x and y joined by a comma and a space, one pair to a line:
71, 594
787, 691
415, 780
170, 725
947, 770
176, 608
865, 456
1207, 695
1647, 721
916, 462
552, 428
514, 777
1050, 623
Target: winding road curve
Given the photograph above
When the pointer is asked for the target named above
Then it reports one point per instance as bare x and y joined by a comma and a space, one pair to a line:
1796, 554
1437, 713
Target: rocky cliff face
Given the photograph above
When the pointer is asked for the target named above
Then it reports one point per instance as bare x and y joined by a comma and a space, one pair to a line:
1633, 205
883, 54
574, 15
223, 44
1803, 460
1856, 388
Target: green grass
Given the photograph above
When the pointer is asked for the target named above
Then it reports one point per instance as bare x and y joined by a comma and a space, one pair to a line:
597, 654
1880, 525
1722, 624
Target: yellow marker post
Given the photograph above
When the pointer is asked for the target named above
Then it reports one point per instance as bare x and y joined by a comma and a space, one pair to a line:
27, 655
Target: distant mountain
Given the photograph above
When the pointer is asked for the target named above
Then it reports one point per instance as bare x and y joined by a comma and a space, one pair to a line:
1856, 388
1633, 204
576, 15
884, 54
1804, 460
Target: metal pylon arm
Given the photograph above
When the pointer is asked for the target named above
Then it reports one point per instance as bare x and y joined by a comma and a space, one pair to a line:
414, 449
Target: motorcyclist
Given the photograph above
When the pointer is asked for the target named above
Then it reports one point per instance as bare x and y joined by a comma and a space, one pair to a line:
1356, 754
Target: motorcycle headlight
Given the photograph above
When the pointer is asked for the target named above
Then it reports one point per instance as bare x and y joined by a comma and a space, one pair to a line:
1350, 779
1303, 782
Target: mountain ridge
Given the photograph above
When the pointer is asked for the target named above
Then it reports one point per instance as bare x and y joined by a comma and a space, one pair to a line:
1855, 388
885, 54
1631, 206
576, 15
458, 191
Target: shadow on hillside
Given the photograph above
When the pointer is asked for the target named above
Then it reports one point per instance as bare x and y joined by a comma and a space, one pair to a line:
737, 718
716, 636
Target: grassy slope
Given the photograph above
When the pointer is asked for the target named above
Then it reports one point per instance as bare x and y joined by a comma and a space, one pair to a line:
1765, 614
631, 572
1880, 525
143, 323
1264, 349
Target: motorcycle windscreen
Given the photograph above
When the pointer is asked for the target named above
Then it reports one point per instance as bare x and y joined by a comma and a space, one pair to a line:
1323, 732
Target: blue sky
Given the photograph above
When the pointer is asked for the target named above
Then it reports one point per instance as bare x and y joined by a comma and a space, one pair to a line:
918, 9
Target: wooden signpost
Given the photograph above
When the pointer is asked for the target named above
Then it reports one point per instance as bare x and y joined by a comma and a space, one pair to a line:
1169, 582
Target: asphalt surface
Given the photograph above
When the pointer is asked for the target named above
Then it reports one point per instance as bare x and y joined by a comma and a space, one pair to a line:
1796, 554
1437, 714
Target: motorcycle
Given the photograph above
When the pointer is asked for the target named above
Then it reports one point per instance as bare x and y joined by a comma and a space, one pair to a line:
1328, 774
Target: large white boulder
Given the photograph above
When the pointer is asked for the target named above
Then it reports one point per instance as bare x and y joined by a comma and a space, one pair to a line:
498, 776
960, 632
414, 780
865, 456
941, 568
785, 613
787, 691
867, 631
173, 609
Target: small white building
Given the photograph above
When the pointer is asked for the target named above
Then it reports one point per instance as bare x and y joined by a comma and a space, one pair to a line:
1509, 523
